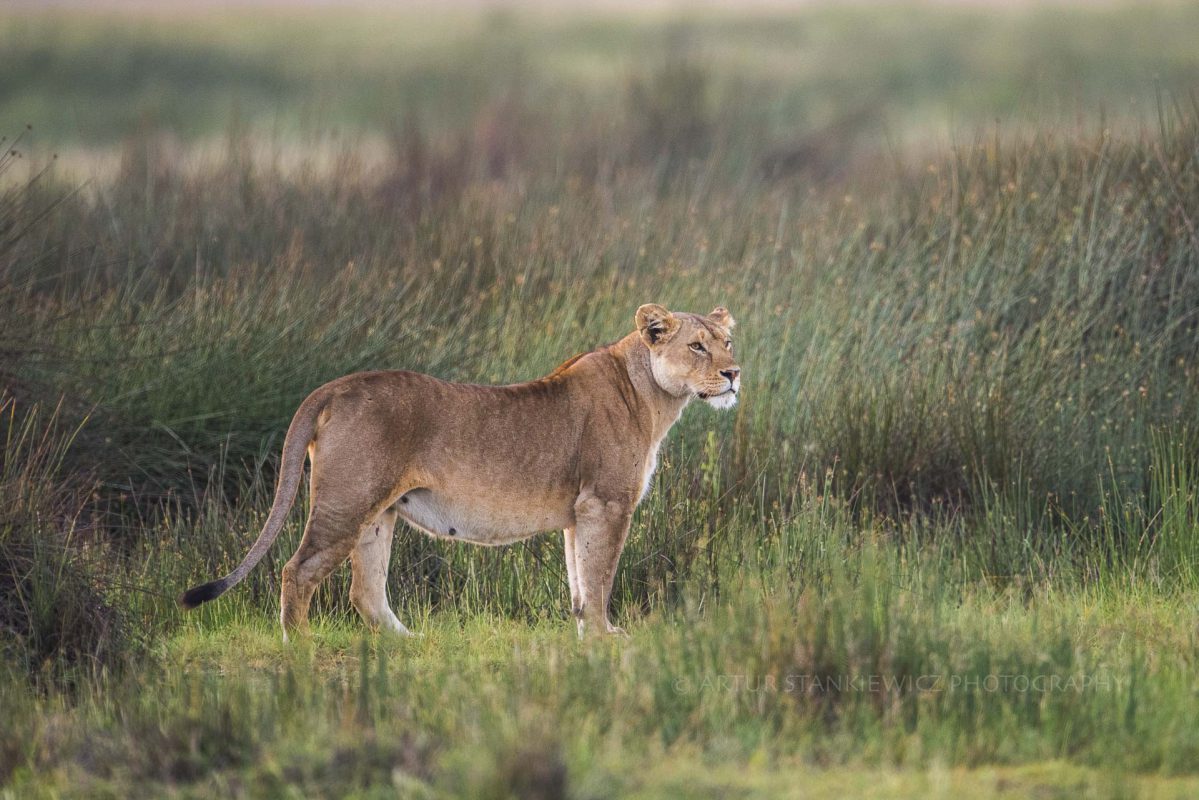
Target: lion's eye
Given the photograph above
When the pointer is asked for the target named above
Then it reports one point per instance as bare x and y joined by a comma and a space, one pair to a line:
697, 347
729, 345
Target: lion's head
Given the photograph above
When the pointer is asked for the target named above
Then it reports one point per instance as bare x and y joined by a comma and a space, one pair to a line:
692, 354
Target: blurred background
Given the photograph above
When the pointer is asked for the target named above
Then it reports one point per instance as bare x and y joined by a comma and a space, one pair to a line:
791, 84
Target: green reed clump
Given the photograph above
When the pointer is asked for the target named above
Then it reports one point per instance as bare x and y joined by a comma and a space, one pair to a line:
980, 348
57, 615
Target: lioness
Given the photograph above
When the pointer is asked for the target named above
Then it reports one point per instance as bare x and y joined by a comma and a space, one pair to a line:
489, 465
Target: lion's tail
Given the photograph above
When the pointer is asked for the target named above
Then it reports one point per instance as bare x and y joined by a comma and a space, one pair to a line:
291, 470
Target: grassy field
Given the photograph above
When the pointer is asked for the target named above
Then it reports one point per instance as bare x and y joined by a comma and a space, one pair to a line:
947, 545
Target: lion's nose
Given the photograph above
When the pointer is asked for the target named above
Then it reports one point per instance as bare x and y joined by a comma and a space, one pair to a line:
731, 374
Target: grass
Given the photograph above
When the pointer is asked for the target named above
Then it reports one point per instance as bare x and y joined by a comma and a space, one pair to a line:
855, 672
945, 545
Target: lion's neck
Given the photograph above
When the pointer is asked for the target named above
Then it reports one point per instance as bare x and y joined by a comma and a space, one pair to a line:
661, 408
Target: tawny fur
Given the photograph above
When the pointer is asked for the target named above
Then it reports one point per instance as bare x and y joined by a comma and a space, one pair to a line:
489, 465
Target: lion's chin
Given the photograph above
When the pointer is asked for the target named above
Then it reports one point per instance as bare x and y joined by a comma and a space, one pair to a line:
722, 401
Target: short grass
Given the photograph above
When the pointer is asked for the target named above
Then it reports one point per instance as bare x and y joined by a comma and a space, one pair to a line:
852, 683
947, 544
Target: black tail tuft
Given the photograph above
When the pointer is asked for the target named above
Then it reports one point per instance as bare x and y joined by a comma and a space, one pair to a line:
203, 593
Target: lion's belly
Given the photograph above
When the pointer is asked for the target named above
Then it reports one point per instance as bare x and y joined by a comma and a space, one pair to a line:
481, 519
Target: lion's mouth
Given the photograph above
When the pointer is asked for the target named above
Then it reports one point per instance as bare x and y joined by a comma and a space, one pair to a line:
710, 395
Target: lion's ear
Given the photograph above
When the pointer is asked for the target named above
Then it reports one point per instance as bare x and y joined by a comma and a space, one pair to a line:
655, 324
721, 316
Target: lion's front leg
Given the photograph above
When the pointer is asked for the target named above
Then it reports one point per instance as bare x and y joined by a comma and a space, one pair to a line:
599, 536
572, 577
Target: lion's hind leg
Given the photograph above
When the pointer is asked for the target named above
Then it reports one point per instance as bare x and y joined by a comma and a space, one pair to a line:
330, 535
368, 585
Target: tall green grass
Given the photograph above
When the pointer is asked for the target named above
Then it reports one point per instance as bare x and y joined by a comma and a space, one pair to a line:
966, 448
995, 350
